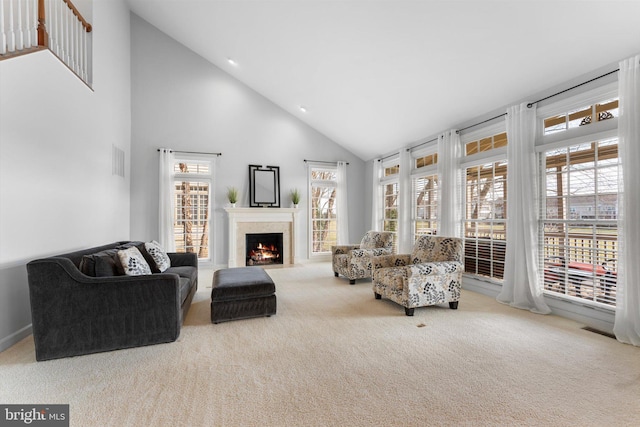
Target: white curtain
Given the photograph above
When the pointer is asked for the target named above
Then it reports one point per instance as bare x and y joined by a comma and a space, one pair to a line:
521, 285
376, 196
405, 235
449, 185
627, 322
166, 201
342, 202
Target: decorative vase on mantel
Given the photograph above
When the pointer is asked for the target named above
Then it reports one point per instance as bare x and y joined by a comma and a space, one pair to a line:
232, 196
295, 197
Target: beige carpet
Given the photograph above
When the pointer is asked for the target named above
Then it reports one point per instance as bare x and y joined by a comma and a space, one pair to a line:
335, 356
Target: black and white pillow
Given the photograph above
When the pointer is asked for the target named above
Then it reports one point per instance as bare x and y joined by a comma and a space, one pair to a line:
133, 262
159, 255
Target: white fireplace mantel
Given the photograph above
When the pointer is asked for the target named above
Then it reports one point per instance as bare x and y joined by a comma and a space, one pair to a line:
260, 220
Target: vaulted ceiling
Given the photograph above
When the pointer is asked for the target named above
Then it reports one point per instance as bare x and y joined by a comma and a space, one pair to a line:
378, 75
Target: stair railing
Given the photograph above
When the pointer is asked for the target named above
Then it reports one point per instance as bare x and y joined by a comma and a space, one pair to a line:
31, 25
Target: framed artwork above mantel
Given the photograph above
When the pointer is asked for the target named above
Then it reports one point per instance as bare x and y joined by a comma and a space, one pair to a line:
264, 186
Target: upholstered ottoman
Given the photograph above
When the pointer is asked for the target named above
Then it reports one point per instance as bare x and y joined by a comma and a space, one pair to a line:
241, 293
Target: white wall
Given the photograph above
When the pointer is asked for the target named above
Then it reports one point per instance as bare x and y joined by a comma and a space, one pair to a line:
57, 192
183, 102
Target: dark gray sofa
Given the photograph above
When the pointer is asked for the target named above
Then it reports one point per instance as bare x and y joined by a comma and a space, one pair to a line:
74, 313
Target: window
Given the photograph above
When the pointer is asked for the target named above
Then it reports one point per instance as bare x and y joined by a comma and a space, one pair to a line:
579, 225
485, 219
581, 116
192, 206
390, 190
425, 193
322, 187
486, 144
485, 215
426, 205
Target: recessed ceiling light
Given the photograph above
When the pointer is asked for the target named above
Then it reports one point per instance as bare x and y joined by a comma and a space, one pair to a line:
232, 62
303, 108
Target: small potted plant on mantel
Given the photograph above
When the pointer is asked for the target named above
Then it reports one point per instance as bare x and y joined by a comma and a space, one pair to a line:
232, 195
295, 197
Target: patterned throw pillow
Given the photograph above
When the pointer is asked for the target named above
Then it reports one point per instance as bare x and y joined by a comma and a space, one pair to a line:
159, 255
133, 262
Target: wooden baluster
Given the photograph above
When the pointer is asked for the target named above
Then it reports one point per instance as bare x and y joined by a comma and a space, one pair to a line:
27, 21
20, 39
51, 25
11, 44
3, 36
33, 24
45, 17
78, 28
79, 60
65, 34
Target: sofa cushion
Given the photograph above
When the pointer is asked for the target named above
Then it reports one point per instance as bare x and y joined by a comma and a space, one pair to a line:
186, 271
159, 255
185, 288
102, 264
133, 262
143, 250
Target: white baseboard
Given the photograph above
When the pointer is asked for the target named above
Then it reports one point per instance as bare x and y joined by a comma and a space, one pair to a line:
14, 338
598, 318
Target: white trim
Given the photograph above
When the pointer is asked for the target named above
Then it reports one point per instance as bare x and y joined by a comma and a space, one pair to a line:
323, 183
483, 132
425, 150
424, 171
15, 337
583, 134
484, 157
209, 178
580, 100
392, 160
596, 317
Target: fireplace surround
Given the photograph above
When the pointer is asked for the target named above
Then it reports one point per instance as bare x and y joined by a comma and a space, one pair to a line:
243, 221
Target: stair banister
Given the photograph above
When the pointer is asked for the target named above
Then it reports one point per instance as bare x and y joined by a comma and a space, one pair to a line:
28, 26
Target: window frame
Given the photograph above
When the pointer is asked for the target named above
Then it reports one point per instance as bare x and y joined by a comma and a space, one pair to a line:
595, 132
209, 179
479, 159
417, 173
389, 162
311, 166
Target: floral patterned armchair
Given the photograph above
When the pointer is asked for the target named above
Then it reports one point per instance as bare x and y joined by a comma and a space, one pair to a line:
431, 275
354, 261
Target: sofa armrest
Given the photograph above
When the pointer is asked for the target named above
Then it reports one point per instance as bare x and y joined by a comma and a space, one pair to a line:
183, 259
436, 268
343, 249
394, 260
74, 314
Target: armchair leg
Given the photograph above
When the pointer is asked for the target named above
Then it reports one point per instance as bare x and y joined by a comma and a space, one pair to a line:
352, 281
409, 311
453, 305
335, 273
378, 296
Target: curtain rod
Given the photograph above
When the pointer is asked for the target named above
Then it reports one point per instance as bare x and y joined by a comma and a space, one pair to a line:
322, 161
572, 87
482, 122
192, 152
386, 157
531, 104
422, 143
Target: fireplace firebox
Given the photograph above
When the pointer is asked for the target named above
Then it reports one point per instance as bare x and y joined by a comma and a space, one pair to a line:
264, 248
